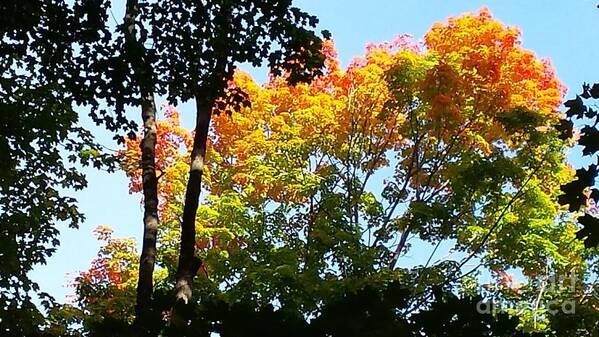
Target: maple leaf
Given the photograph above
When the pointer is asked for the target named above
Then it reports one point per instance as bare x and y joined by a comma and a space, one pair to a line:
575, 107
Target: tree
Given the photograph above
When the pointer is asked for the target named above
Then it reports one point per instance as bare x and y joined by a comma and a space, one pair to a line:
199, 45
109, 69
195, 47
40, 145
137, 56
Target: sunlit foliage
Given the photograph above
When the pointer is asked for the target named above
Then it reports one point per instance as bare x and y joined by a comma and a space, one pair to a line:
321, 189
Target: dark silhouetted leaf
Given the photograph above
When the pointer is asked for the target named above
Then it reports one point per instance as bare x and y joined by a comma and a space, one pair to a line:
575, 107
590, 230
589, 140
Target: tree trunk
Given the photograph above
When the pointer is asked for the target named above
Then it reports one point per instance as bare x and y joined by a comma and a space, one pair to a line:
145, 284
188, 262
135, 51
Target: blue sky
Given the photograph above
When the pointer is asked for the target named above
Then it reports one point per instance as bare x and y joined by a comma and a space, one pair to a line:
561, 30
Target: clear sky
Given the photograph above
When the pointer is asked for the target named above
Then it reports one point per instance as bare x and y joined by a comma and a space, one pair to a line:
562, 30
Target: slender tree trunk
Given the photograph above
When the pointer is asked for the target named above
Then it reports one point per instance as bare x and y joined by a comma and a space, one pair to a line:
135, 52
188, 262
145, 284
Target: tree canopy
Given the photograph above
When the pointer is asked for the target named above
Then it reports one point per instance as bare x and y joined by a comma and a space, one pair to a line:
315, 192
293, 206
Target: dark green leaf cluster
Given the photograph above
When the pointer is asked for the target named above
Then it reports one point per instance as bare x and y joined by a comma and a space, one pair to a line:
41, 146
184, 49
198, 43
371, 310
578, 193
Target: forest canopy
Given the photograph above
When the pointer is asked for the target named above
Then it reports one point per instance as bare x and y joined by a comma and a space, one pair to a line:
314, 189
317, 190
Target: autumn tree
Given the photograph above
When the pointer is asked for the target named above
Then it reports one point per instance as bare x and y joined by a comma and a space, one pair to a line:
194, 49
198, 46
459, 129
